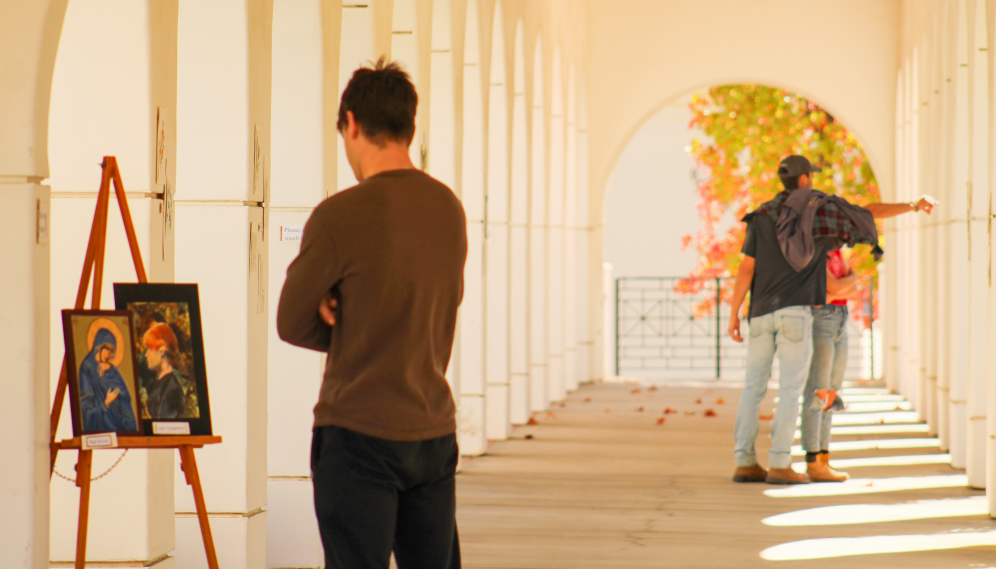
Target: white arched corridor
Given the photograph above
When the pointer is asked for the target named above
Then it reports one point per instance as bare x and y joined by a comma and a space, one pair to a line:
525, 106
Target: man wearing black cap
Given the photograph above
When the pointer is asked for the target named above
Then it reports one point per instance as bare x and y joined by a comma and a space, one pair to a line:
784, 268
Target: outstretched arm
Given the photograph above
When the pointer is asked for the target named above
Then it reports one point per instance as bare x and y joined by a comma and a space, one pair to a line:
884, 210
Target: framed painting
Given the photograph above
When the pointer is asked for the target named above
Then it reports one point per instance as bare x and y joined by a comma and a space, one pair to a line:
169, 351
102, 372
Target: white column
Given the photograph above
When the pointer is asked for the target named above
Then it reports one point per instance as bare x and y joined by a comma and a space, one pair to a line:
979, 261
305, 99
497, 243
113, 74
570, 311
518, 309
555, 239
470, 358
538, 370
958, 305
944, 215
223, 166
29, 36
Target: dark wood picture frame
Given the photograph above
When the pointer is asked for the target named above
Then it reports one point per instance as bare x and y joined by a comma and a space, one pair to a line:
123, 369
160, 306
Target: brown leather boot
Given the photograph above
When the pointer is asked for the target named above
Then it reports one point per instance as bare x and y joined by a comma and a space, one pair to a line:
785, 476
825, 458
750, 474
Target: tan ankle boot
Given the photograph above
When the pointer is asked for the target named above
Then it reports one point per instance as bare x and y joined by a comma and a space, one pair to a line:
825, 457
819, 472
785, 476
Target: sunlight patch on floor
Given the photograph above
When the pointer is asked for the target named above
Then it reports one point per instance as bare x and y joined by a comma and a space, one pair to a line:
871, 545
890, 417
876, 406
872, 444
869, 486
877, 513
908, 460
875, 430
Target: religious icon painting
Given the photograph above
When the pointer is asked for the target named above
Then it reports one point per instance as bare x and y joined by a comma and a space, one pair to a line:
102, 372
169, 351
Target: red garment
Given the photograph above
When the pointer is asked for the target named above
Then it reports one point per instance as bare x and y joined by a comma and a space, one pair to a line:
837, 268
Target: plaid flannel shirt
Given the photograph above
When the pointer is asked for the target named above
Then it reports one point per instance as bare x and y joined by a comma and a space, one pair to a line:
831, 220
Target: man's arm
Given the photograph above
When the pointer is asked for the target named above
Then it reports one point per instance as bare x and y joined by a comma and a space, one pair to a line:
745, 275
884, 210
309, 279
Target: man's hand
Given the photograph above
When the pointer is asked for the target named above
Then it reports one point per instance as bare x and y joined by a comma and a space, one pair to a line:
112, 395
326, 309
926, 203
734, 329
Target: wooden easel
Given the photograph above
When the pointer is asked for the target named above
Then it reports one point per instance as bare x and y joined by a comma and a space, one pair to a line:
94, 263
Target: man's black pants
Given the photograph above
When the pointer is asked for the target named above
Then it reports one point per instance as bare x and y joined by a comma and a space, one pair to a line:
373, 496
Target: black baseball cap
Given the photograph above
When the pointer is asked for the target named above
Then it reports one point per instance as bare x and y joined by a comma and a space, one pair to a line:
796, 165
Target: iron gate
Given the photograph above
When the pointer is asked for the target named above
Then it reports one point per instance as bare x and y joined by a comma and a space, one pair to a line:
677, 325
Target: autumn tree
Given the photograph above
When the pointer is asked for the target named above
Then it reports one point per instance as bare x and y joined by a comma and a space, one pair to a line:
745, 131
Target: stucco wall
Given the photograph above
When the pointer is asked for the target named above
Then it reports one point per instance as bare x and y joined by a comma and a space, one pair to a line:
641, 54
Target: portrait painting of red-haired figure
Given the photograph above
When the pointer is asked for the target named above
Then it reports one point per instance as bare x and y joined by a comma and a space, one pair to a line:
102, 372
169, 351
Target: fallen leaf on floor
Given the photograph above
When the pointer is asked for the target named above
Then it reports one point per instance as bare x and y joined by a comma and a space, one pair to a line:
607, 410
709, 413
652, 388
532, 421
635, 391
898, 408
766, 417
869, 483
528, 437
720, 401
689, 413
660, 421
699, 400
562, 404
550, 415
669, 411
639, 409
881, 421
587, 399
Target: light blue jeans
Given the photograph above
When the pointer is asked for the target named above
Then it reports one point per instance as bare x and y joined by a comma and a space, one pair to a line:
789, 332
826, 372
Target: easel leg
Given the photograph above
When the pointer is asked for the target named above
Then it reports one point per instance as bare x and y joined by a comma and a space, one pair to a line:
83, 481
189, 466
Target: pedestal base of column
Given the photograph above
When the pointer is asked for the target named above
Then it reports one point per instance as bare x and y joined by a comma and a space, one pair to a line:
991, 469
291, 527
519, 398
537, 388
943, 420
239, 540
498, 412
975, 465
959, 428
470, 425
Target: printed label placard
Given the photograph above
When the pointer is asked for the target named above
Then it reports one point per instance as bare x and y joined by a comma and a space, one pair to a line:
291, 233
170, 428
100, 440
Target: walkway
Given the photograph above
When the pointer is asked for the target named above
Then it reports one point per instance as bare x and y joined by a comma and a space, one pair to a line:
597, 483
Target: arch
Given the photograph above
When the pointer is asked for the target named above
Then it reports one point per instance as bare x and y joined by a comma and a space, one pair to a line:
555, 234
537, 235
357, 47
518, 239
472, 363
404, 50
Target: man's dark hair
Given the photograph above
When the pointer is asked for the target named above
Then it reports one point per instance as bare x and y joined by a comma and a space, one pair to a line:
790, 182
383, 101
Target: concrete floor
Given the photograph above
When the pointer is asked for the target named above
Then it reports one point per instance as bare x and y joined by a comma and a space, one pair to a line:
598, 483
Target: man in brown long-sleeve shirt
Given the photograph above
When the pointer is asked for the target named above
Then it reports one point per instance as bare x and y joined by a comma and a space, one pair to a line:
377, 285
